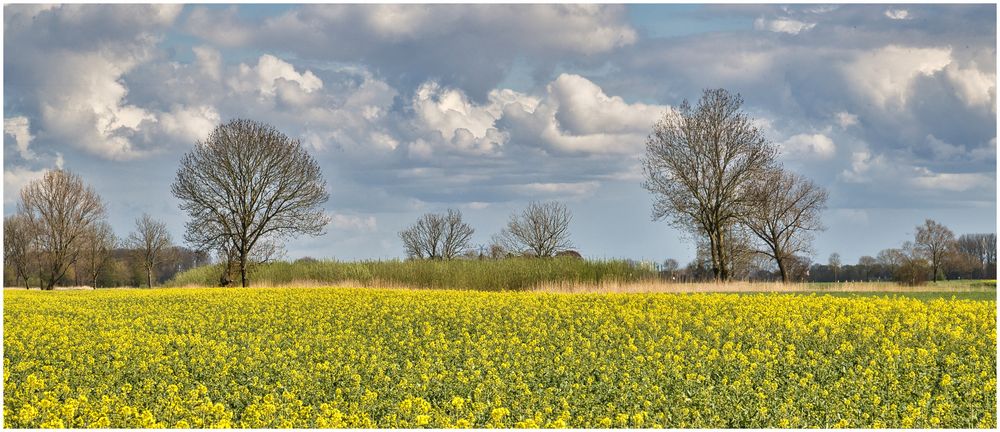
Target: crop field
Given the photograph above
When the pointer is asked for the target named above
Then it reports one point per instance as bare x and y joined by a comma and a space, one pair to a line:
341, 357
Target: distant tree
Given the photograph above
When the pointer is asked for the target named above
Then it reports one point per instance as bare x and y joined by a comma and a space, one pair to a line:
149, 242
782, 209
934, 241
62, 209
980, 249
867, 265
913, 267
97, 246
670, 266
698, 163
569, 253
437, 236
542, 229
245, 183
18, 246
834, 263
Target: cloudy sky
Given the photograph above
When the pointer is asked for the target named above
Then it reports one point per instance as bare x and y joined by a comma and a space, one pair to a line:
484, 108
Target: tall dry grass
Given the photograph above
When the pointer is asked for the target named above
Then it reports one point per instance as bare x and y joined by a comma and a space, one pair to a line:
656, 286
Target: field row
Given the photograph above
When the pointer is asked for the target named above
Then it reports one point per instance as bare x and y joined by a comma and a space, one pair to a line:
322, 357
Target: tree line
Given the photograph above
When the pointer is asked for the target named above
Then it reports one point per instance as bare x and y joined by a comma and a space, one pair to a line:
247, 187
59, 235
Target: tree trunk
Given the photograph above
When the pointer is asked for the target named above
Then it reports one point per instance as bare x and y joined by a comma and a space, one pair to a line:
243, 269
149, 276
712, 242
723, 269
781, 268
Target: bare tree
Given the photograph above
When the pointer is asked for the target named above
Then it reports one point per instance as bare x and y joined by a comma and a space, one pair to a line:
698, 163
149, 241
867, 264
95, 254
834, 263
18, 245
457, 235
63, 209
542, 229
437, 236
422, 240
782, 210
934, 241
245, 182
981, 249
913, 266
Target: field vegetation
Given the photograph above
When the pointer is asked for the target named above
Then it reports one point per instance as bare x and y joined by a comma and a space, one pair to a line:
334, 357
514, 274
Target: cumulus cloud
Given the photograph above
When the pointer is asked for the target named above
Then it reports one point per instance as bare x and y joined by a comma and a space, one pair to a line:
808, 146
468, 46
270, 74
885, 75
72, 68
782, 25
18, 129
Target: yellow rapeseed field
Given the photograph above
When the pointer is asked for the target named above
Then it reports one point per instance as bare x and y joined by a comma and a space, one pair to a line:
336, 357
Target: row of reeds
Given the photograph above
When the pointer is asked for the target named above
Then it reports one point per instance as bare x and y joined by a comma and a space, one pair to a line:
517, 274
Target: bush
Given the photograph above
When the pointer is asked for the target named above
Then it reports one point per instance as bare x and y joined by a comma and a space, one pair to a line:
913, 272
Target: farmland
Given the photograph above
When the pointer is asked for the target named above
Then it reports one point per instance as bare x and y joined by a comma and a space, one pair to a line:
342, 357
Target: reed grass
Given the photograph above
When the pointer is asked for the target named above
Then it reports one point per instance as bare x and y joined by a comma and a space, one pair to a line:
513, 274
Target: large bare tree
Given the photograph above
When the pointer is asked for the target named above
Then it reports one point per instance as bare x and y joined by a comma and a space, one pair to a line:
782, 210
437, 236
934, 241
698, 163
95, 254
18, 245
246, 182
542, 229
63, 209
149, 242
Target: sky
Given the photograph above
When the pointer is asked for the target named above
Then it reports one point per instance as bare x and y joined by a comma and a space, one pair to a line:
483, 108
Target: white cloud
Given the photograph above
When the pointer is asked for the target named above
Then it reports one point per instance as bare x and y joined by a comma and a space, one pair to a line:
975, 87
808, 146
584, 108
863, 165
782, 25
897, 14
885, 75
209, 61
189, 124
271, 74
846, 119
347, 222
952, 182
19, 129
